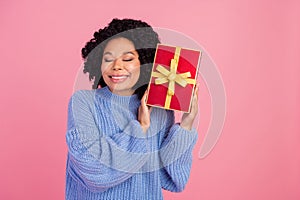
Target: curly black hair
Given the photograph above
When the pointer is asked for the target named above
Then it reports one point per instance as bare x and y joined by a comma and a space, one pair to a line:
139, 33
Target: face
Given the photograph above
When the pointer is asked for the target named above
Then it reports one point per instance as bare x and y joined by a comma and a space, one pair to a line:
120, 66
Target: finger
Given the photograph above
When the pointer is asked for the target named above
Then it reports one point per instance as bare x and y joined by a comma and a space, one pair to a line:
195, 102
196, 89
143, 100
195, 97
145, 96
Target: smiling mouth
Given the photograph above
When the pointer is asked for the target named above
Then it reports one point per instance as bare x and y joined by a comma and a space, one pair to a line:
118, 78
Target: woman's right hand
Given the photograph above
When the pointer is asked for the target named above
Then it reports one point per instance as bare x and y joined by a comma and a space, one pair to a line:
144, 113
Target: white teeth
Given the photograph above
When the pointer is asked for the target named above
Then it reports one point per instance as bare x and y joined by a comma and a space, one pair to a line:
118, 77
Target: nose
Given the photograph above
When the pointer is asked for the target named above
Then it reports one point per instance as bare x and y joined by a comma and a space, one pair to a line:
118, 64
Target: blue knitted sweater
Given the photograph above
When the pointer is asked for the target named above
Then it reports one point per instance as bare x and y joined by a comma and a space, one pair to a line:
109, 156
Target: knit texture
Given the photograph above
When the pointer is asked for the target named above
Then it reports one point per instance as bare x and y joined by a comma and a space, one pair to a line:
109, 156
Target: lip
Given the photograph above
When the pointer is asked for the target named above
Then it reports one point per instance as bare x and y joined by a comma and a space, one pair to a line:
118, 78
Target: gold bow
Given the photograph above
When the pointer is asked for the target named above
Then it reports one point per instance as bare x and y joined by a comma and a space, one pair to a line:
164, 75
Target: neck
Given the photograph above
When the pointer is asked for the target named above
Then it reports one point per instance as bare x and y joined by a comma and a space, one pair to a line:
122, 92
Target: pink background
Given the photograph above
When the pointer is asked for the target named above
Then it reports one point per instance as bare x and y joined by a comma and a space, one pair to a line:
255, 44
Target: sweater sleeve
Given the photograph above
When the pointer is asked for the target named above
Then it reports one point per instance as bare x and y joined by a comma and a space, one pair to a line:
176, 156
98, 161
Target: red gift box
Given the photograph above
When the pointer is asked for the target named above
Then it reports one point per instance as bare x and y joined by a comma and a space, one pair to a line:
173, 78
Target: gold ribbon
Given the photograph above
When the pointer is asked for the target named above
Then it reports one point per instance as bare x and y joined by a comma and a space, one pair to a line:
164, 75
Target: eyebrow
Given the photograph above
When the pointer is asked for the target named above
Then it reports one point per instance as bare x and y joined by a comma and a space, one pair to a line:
127, 52
107, 53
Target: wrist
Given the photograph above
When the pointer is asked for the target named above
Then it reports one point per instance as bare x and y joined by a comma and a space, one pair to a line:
145, 128
187, 126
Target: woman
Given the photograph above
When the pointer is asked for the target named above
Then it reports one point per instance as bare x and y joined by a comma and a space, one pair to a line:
118, 148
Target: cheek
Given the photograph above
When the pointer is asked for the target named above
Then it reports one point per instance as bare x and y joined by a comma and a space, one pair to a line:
136, 68
103, 69
136, 71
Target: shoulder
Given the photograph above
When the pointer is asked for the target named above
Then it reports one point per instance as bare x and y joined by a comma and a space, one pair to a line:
83, 94
81, 109
82, 98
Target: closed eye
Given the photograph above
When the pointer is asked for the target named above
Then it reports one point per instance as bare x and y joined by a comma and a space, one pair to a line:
108, 60
128, 59
108, 57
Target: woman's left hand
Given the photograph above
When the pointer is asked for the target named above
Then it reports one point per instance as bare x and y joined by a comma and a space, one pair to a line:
188, 118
